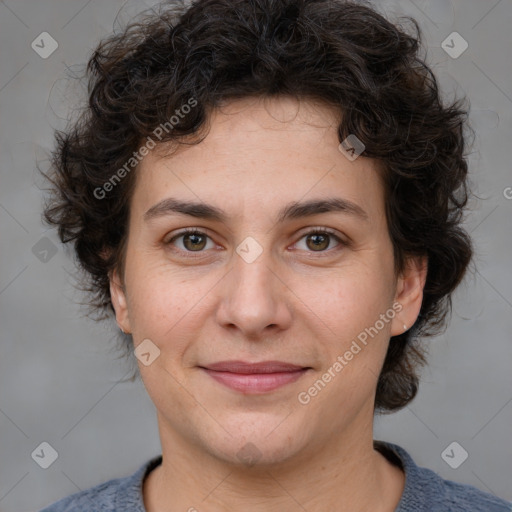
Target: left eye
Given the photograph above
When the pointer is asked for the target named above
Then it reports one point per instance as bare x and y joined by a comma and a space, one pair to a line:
319, 241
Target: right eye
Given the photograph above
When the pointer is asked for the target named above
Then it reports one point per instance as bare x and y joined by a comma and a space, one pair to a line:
193, 240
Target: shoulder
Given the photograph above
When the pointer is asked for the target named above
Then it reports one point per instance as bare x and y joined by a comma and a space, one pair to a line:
426, 491
119, 494
102, 497
466, 498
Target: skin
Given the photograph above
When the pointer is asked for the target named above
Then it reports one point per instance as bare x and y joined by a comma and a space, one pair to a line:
295, 303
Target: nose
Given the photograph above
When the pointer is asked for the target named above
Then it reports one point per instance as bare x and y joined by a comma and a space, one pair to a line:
254, 298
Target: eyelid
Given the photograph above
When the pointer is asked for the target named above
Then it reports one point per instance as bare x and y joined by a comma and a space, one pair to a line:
187, 231
319, 229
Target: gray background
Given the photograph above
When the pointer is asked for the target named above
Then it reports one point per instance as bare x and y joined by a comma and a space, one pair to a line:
58, 371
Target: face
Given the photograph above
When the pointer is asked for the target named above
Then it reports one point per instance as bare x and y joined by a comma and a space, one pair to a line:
263, 280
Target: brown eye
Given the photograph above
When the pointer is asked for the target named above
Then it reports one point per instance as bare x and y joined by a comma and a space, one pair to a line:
192, 241
319, 240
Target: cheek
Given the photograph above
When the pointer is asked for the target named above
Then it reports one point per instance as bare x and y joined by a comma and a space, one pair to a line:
163, 306
348, 312
348, 299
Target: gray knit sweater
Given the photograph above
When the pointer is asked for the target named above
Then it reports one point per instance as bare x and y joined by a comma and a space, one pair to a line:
424, 491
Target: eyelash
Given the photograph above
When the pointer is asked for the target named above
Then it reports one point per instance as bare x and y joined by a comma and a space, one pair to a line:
315, 230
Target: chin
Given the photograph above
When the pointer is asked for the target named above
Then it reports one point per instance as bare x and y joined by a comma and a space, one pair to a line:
257, 444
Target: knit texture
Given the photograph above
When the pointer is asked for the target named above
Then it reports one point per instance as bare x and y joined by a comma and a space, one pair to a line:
424, 491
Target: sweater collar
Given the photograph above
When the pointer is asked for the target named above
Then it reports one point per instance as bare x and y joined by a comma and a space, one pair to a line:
416, 495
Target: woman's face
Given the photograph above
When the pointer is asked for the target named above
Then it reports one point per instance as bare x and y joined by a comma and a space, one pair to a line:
254, 286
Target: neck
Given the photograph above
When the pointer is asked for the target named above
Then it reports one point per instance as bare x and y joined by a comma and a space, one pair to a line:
346, 474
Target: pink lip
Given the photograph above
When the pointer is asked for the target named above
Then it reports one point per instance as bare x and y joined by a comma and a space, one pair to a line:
254, 377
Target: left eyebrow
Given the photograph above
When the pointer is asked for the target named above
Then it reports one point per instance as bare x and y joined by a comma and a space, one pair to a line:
296, 210
293, 210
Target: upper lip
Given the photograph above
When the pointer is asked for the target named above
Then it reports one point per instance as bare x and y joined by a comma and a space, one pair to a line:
261, 367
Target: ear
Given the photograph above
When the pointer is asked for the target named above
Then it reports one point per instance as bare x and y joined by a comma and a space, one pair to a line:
409, 293
118, 297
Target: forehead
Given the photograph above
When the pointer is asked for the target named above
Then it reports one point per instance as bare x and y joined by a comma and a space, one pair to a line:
259, 154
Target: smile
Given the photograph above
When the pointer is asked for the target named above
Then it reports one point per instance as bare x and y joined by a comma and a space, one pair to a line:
254, 378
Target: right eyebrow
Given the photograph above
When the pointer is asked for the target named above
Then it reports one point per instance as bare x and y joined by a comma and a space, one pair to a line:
193, 209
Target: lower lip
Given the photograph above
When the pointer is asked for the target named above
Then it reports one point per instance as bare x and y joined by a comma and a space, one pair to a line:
255, 382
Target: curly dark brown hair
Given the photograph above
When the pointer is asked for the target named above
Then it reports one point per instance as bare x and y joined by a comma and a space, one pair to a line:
342, 53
